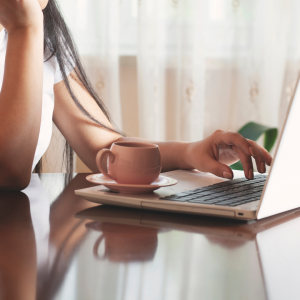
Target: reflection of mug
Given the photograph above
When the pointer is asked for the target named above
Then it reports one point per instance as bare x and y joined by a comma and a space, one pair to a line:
130, 163
124, 243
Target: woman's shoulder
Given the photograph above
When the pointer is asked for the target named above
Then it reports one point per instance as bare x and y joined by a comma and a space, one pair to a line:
52, 61
49, 57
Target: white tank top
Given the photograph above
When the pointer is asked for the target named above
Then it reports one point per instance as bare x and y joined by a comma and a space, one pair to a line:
52, 75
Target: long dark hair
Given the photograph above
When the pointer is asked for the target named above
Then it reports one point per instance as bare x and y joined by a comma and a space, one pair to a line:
58, 42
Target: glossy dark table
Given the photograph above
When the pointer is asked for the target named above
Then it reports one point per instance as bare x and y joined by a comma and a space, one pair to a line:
56, 245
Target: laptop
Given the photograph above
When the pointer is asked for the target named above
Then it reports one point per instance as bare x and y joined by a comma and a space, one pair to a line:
205, 194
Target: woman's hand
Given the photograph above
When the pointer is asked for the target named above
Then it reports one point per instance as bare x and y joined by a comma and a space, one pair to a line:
20, 14
224, 148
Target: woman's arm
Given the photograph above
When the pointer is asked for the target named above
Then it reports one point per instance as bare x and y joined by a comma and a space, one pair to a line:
21, 93
212, 154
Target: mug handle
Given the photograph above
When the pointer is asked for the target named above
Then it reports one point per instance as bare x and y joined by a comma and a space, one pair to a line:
101, 161
96, 247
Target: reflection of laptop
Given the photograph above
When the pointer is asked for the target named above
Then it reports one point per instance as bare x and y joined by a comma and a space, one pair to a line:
193, 224
201, 193
271, 258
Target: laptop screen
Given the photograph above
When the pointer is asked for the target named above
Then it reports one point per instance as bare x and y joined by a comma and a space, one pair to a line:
282, 191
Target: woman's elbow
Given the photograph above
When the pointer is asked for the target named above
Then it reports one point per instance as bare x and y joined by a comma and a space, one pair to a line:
14, 181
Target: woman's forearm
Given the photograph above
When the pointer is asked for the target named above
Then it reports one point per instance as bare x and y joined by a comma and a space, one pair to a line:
20, 105
214, 154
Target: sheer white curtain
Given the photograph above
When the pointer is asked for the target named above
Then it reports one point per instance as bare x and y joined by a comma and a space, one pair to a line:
95, 27
180, 69
171, 38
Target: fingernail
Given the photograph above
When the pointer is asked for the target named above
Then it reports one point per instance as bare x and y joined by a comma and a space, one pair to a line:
251, 174
227, 175
262, 167
252, 151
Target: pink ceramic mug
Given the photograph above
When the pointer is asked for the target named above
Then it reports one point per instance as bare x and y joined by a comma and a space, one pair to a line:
130, 162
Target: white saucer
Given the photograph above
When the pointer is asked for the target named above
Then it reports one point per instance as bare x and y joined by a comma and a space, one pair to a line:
161, 181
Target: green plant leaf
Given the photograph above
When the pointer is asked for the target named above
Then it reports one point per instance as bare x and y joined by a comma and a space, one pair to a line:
253, 131
270, 138
237, 166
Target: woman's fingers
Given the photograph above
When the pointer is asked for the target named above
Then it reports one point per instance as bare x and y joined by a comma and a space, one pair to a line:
259, 157
226, 147
246, 162
212, 166
250, 148
233, 138
267, 155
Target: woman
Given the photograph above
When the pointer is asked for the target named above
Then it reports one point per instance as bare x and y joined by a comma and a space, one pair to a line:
34, 75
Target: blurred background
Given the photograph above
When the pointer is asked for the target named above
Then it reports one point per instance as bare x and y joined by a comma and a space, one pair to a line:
180, 69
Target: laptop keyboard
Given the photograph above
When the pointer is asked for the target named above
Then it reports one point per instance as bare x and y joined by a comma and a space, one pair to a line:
228, 193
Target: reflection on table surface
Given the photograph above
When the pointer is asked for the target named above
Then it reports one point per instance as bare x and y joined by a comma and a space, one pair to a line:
56, 245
